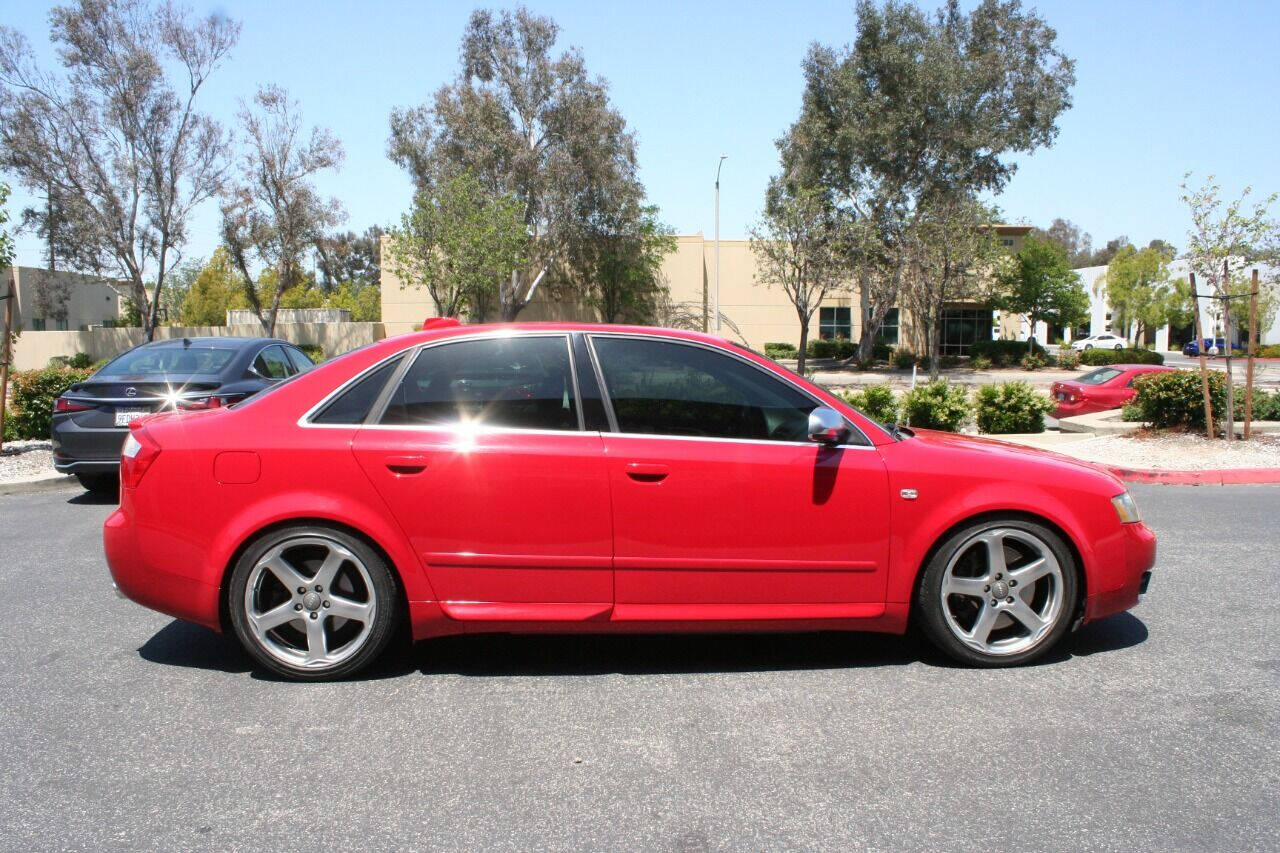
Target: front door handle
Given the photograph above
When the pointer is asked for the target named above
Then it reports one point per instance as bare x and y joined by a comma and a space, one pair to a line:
404, 466
647, 472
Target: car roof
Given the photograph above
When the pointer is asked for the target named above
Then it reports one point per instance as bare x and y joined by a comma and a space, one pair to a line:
443, 330
228, 342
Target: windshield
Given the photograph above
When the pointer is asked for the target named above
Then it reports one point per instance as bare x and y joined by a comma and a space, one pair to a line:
166, 361
1097, 377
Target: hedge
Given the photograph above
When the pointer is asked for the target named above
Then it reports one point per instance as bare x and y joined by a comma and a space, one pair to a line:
937, 405
830, 348
1175, 398
778, 350
1099, 357
1003, 353
1011, 407
33, 394
875, 401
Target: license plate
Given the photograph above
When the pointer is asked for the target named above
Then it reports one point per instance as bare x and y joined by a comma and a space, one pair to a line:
125, 416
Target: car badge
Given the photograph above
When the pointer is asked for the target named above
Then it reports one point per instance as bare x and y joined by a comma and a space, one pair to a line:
131, 392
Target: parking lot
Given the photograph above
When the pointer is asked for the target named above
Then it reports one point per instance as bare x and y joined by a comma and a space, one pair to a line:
122, 729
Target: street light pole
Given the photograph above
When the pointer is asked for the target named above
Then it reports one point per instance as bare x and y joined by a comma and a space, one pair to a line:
719, 165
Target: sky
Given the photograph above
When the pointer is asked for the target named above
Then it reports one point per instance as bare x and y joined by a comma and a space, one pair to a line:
1162, 88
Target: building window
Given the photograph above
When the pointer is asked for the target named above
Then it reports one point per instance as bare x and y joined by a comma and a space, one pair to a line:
108, 324
889, 328
1107, 328
835, 322
963, 327
1007, 242
61, 324
37, 324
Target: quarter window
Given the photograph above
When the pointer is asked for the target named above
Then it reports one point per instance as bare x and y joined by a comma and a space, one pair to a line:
663, 388
525, 383
273, 364
352, 405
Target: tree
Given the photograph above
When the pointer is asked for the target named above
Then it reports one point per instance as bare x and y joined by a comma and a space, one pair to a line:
949, 246
1038, 283
1077, 245
918, 117
364, 301
1222, 243
116, 139
531, 126
274, 214
1103, 256
218, 288
626, 264
351, 257
1140, 290
6, 242
460, 241
799, 247
1167, 250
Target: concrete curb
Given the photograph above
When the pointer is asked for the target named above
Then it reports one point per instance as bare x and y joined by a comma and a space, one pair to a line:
45, 484
1210, 477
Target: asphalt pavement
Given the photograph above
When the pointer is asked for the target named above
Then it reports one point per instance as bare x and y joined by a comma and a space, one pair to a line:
121, 729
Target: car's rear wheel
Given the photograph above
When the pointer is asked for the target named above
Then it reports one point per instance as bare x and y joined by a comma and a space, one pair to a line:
100, 484
998, 593
312, 603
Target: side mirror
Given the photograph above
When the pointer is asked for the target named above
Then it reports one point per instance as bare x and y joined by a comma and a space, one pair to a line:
826, 426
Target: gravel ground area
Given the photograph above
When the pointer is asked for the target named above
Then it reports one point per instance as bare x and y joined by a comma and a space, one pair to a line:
1176, 451
21, 461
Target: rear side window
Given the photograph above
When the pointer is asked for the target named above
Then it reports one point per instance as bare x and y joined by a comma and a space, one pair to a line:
299, 359
353, 404
273, 364
526, 383
663, 388
1099, 376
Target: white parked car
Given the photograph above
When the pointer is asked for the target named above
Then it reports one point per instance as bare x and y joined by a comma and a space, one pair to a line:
1103, 341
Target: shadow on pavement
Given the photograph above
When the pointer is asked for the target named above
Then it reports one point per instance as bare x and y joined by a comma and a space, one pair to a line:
186, 645
94, 499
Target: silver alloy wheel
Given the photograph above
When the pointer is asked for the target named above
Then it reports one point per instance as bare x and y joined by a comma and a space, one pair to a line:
310, 602
1002, 591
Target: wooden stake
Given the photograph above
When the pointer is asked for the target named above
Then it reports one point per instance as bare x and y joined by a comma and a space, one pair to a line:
1204, 367
1230, 415
9, 299
1253, 353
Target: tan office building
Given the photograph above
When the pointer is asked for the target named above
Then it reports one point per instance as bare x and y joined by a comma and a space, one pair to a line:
60, 301
752, 313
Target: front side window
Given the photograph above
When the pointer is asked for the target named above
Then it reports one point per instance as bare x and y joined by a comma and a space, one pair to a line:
835, 322
664, 388
273, 364
523, 383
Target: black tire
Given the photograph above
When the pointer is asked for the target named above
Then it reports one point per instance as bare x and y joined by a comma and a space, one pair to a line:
100, 484
1088, 346
941, 627
376, 583
1119, 347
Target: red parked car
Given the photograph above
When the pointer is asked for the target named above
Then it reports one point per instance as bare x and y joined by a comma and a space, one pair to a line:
1107, 387
582, 478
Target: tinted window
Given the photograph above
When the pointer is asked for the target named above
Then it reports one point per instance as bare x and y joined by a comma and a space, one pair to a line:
169, 360
352, 405
512, 382
665, 388
299, 359
1097, 377
271, 363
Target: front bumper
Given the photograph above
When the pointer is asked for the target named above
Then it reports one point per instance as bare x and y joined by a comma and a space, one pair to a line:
1139, 557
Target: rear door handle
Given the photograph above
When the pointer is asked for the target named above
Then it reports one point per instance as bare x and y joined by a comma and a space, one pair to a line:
404, 466
647, 472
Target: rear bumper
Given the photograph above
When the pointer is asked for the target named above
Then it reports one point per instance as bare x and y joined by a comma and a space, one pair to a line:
153, 586
77, 449
1135, 577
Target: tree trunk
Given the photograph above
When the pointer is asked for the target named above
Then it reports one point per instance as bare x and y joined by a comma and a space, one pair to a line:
804, 344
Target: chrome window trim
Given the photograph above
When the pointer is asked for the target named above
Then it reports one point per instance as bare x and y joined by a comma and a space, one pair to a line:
608, 398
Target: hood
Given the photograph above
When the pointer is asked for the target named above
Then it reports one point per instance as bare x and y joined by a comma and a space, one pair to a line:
1011, 453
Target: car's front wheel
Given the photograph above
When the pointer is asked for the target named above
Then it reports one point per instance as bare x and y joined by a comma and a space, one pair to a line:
312, 603
1088, 346
1119, 347
1000, 592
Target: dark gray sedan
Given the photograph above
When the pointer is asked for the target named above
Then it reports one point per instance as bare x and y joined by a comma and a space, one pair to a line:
91, 419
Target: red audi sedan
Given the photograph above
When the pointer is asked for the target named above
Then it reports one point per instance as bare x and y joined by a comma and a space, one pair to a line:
1107, 387
585, 478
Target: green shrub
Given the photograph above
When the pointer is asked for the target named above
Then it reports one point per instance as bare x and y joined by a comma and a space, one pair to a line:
1002, 352
1068, 359
881, 351
777, 351
1130, 412
1269, 351
1266, 407
1033, 361
33, 394
1099, 357
980, 362
315, 352
830, 348
98, 365
903, 358
1011, 407
875, 401
950, 361
937, 405
80, 361
1175, 398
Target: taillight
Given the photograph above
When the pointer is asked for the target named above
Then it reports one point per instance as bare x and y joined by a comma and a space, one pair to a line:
62, 404
139, 451
213, 401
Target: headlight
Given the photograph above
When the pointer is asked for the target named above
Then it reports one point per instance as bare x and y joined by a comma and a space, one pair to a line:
1126, 508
